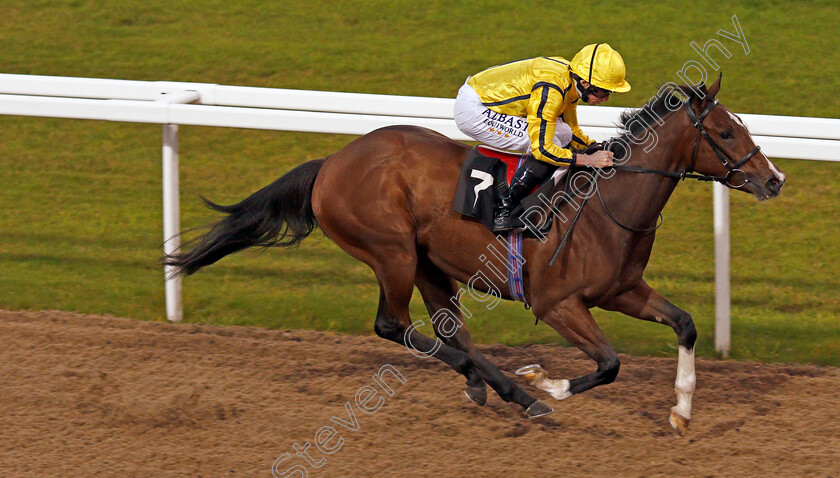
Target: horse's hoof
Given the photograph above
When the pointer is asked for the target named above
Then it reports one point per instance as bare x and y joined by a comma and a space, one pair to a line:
537, 376
538, 409
477, 395
532, 373
679, 423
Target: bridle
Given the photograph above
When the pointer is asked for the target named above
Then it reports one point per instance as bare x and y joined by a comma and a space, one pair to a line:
722, 155
733, 168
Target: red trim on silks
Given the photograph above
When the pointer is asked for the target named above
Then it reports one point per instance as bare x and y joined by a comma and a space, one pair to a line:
511, 160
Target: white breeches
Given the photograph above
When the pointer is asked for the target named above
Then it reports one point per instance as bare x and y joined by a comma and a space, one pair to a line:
497, 129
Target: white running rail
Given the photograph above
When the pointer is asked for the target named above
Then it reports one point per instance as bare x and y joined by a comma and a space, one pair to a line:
203, 104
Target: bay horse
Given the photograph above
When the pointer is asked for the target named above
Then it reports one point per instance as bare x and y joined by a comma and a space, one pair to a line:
386, 199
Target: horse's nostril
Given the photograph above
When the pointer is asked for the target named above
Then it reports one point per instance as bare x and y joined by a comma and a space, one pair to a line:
775, 185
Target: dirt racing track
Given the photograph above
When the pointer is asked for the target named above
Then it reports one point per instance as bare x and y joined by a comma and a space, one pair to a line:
102, 396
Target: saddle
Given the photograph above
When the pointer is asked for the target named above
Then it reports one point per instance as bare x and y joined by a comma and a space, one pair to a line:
485, 175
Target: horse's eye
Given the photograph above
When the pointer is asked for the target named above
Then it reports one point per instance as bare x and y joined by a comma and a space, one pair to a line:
726, 134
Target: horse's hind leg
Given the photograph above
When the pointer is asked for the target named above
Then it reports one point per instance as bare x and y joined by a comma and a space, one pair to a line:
574, 322
438, 290
645, 303
393, 321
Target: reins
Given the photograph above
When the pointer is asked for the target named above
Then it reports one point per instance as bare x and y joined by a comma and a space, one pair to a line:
625, 227
671, 174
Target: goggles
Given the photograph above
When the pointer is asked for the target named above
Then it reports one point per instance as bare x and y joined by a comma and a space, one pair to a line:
600, 92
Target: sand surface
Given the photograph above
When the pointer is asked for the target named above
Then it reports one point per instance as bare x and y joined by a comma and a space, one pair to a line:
89, 395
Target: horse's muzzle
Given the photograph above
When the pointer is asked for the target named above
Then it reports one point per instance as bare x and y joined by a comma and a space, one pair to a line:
763, 190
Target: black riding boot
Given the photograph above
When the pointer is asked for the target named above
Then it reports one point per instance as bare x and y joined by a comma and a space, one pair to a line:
524, 180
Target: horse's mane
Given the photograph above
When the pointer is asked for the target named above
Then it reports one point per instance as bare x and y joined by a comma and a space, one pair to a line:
633, 122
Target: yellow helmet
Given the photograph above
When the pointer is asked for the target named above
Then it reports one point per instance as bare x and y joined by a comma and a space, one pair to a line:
601, 66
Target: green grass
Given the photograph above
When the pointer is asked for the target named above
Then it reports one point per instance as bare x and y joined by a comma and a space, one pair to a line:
80, 226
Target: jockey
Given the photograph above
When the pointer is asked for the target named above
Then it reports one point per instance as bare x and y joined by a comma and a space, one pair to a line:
531, 106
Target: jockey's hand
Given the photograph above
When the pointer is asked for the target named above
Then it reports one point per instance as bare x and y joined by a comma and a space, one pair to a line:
598, 159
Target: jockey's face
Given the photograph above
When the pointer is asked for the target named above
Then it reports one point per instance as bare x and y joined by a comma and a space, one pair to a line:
598, 95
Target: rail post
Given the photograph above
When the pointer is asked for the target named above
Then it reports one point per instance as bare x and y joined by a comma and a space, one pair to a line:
171, 220
722, 291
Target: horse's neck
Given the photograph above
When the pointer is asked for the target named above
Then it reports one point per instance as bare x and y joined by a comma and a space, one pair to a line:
637, 199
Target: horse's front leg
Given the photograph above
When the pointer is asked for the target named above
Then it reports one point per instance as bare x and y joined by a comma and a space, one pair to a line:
572, 319
645, 303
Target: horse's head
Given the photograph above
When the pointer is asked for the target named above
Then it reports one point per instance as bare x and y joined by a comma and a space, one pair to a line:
722, 146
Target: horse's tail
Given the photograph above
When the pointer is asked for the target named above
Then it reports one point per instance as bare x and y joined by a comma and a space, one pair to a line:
279, 214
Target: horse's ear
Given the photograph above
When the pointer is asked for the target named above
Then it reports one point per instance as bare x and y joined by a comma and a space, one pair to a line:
700, 95
714, 89
697, 94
